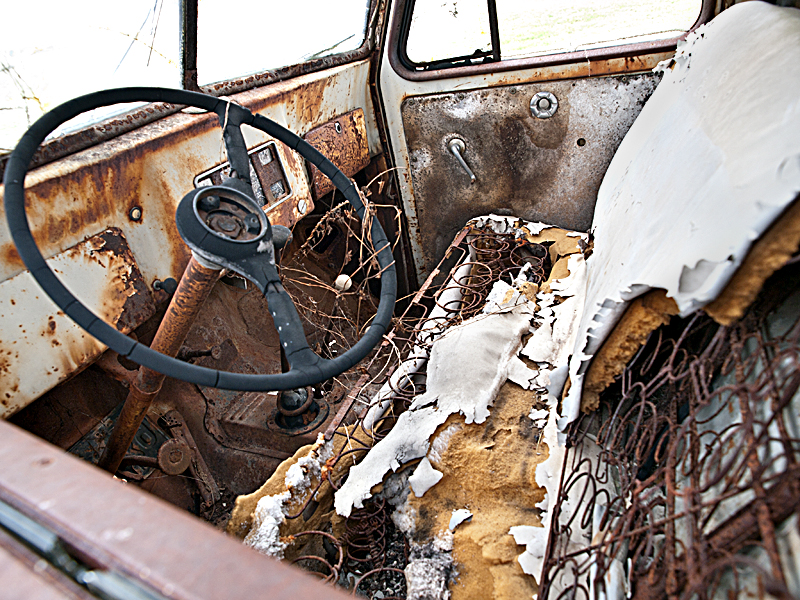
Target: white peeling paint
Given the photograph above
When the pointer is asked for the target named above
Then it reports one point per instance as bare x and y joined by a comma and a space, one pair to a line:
271, 511
515, 225
442, 441
703, 172
458, 517
539, 416
267, 521
424, 477
519, 373
468, 364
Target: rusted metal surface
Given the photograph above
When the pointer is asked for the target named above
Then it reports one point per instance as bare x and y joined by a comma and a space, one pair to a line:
39, 345
344, 141
535, 62
346, 406
270, 175
64, 414
209, 490
193, 289
395, 89
546, 170
241, 420
107, 129
113, 526
290, 209
691, 464
188, 10
153, 168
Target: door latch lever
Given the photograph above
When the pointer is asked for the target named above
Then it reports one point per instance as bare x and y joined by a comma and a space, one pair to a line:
457, 146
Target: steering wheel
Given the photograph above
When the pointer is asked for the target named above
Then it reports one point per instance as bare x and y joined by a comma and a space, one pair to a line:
251, 254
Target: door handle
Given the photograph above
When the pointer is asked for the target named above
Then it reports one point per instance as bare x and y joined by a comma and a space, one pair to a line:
457, 146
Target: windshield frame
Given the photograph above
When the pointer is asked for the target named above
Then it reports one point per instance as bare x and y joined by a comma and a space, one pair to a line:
111, 127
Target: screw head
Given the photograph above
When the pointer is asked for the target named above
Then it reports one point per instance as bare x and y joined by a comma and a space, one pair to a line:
302, 206
135, 213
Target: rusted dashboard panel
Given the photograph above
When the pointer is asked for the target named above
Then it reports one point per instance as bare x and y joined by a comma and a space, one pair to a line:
271, 185
344, 141
39, 345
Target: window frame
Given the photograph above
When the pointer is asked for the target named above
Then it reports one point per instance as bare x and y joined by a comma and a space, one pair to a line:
492, 61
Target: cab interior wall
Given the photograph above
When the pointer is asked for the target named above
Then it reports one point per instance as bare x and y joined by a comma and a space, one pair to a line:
544, 170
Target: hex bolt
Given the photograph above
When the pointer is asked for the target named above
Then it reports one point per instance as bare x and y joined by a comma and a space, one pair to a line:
544, 105
135, 213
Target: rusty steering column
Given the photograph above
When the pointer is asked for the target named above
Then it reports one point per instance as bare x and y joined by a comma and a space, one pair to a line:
222, 226
192, 291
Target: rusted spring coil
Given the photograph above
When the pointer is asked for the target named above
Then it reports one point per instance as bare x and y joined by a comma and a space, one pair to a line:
365, 533
334, 570
532, 254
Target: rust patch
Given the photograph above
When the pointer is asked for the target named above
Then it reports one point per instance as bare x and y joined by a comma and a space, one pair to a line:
89, 190
11, 257
344, 141
54, 349
139, 305
305, 101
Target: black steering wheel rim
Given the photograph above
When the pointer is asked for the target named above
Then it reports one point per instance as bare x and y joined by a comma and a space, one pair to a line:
230, 114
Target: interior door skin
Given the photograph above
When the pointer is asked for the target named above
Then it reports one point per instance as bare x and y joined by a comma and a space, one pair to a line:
105, 218
540, 169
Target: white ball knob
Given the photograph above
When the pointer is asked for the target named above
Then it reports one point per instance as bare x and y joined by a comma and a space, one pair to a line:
343, 283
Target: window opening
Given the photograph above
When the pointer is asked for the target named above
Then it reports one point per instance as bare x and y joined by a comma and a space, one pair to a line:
441, 34
238, 37
51, 52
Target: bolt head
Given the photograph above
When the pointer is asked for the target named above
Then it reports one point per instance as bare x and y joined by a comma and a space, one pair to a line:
135, 213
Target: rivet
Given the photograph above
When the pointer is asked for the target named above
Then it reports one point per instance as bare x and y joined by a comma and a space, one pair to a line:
135, 213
